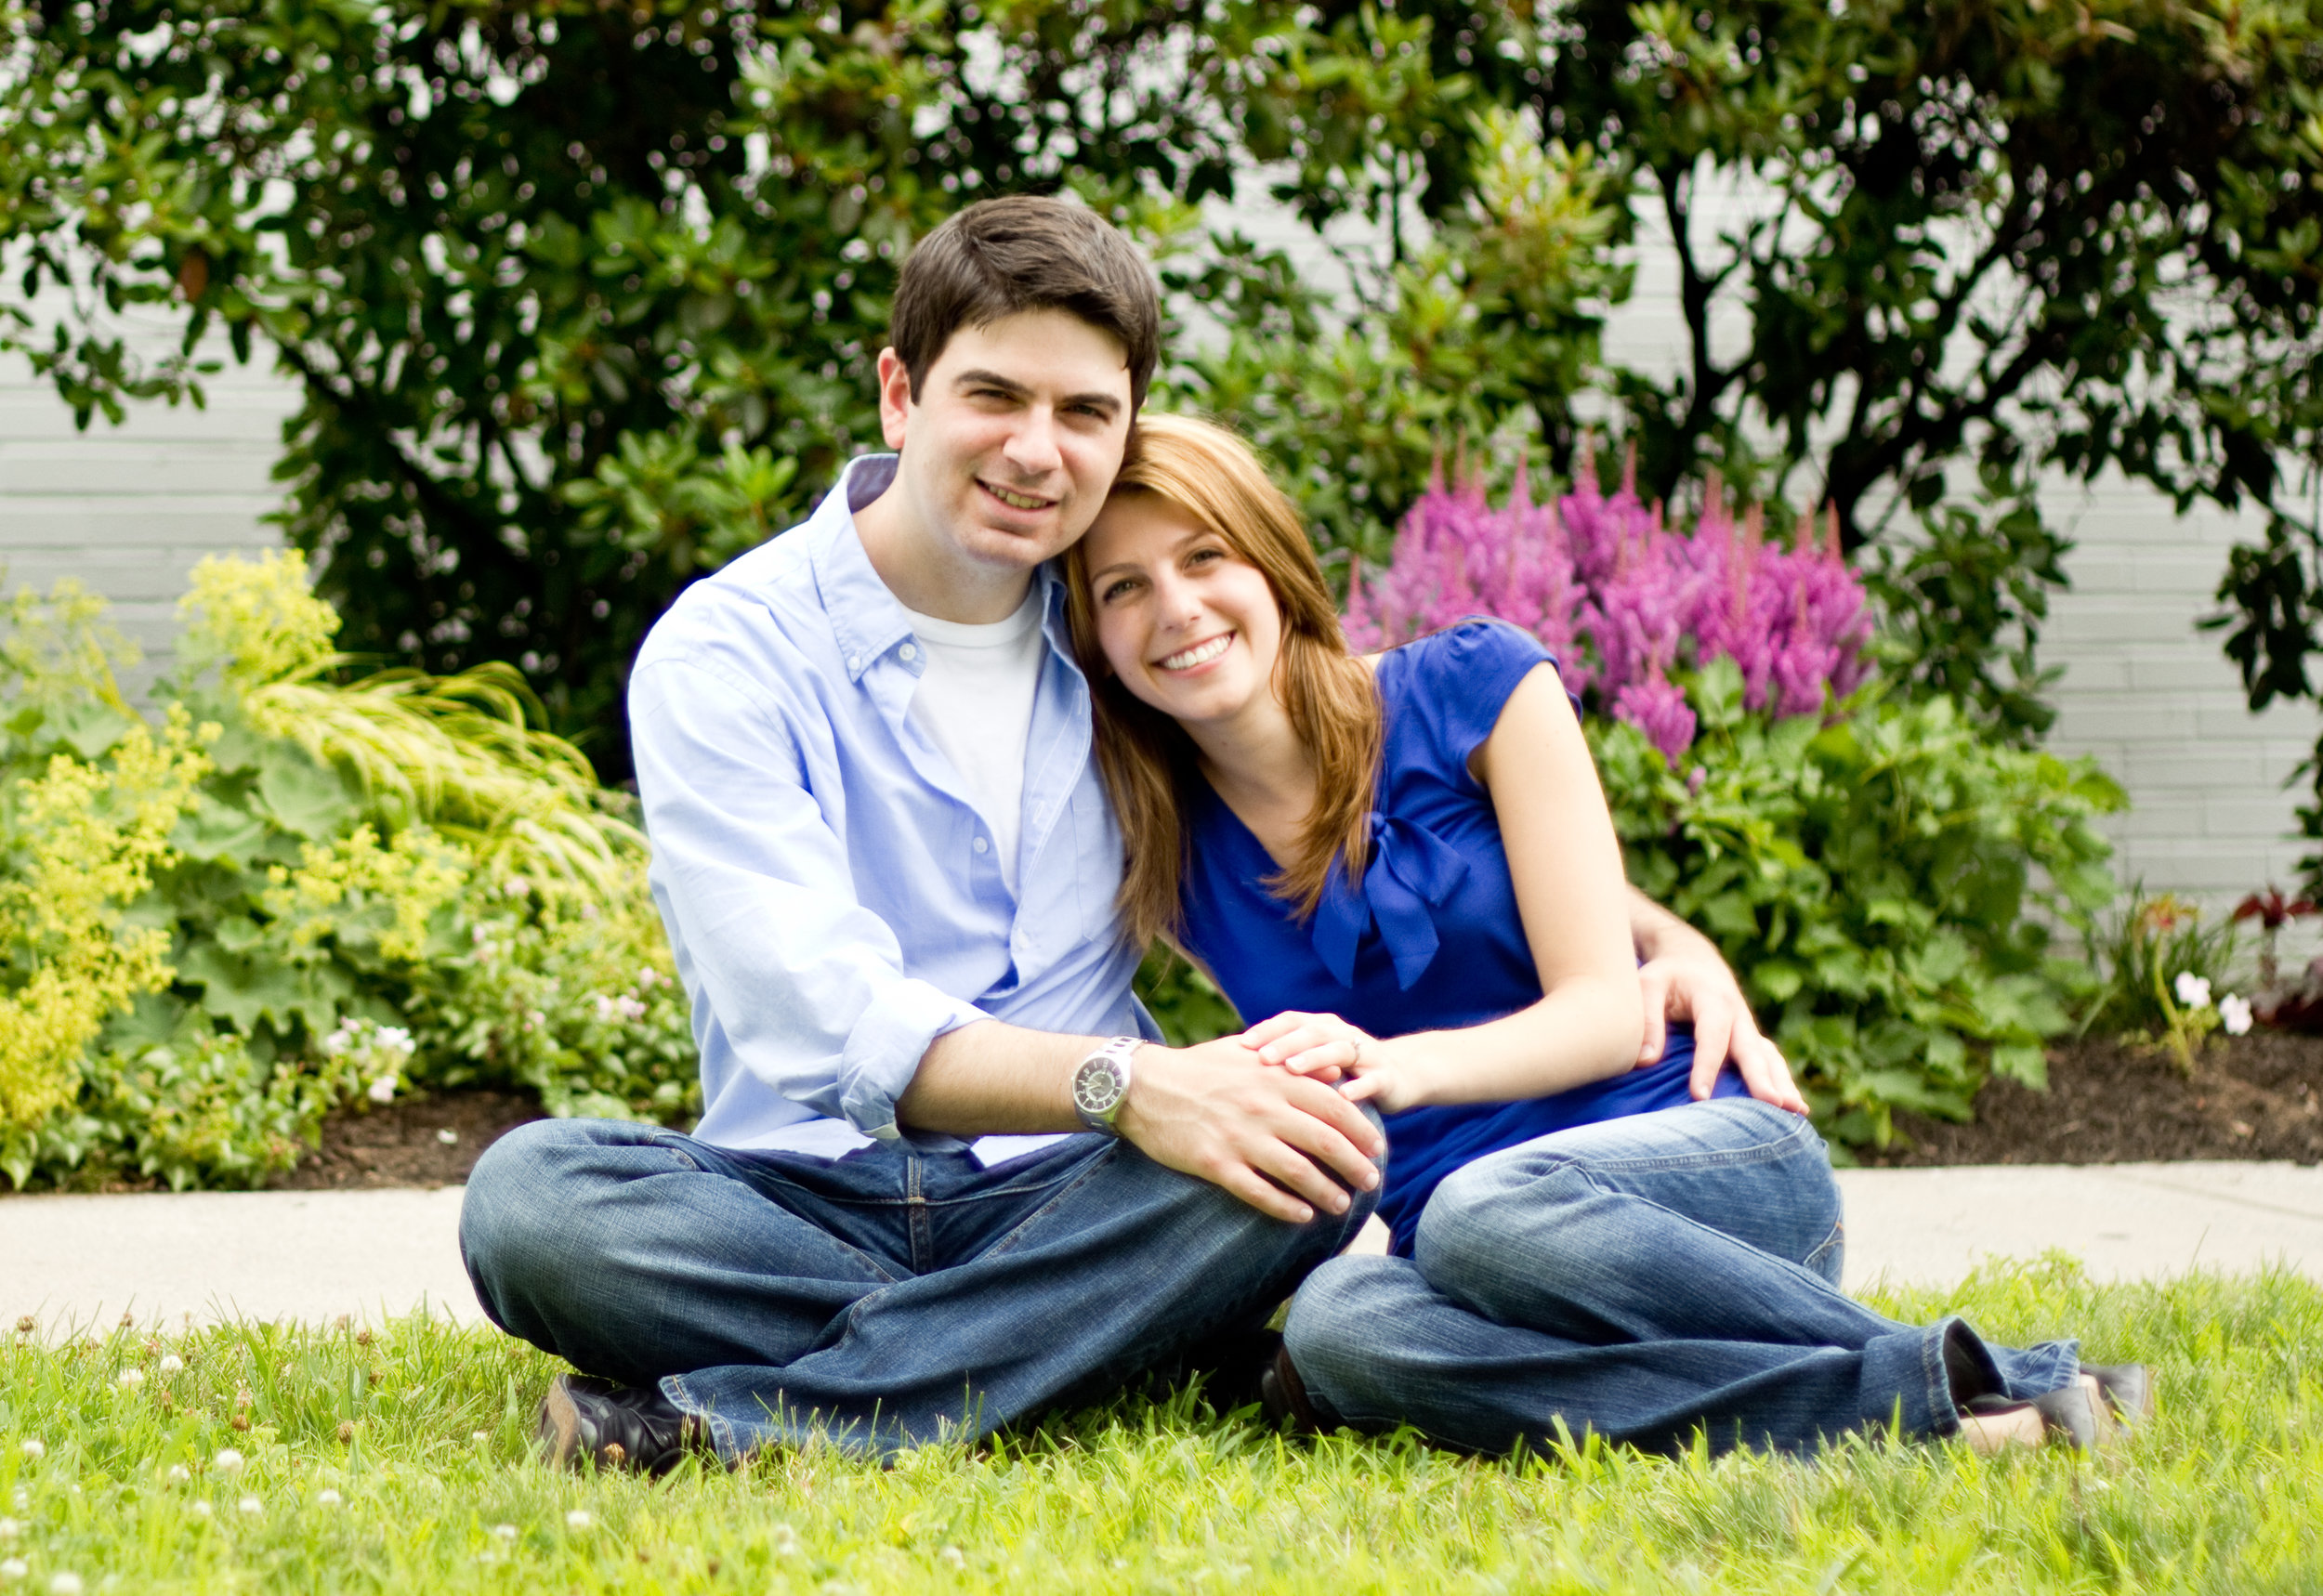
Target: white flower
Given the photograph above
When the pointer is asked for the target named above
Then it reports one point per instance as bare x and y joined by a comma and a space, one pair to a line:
950, 1556
327, 1497
251, 1505
447, 1138
480, 1437
171, 1363
345, 1037
14, 1568
649, 977
64, 1585
382, 1089
10, 1529
578, 1518
179, 1475
505, 1531
518, 886
228, 1461
478, 936
201, 1509
2235, 1012
2193, 990
130, 1379
393, 1039
34, 1449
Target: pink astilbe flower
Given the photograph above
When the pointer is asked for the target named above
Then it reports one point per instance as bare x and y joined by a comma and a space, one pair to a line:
1623, 601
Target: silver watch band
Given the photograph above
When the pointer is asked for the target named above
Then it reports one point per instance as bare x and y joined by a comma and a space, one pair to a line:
1101, 1083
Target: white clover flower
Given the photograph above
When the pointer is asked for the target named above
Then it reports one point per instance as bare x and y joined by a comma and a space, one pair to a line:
179, 1475
171, 1363
578, 1518
2193, 990
950, 1556
65, 1584
327, 1497
480, 1437
505, 1531
130, 1378
201, 1508
2234, 1012
14, 1568
383, 1089
10, 1529
33, 1450
228, 1461
251, 1505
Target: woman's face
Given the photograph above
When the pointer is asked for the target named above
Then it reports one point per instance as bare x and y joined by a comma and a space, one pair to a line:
1189, 625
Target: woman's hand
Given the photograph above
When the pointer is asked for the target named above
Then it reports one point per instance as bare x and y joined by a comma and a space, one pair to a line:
1686, 979
1326, 1048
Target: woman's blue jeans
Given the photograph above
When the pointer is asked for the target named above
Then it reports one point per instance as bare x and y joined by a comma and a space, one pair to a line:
873, 1302
1643, 1279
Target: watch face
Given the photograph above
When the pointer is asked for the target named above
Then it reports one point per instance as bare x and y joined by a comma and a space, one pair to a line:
1098, 1087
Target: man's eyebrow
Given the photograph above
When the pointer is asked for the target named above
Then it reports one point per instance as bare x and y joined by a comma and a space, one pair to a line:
983, 379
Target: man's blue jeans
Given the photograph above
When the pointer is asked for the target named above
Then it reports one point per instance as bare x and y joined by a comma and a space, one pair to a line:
874, 1301
1641, 1279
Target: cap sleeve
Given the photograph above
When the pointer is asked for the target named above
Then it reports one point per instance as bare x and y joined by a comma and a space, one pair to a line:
1457, 681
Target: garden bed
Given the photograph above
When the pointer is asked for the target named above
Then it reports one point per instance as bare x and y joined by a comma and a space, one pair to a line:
2257, 1096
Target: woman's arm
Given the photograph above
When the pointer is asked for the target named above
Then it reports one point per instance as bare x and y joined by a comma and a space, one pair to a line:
1566, 866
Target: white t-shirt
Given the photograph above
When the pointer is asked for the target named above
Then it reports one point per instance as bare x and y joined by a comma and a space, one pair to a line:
975, 702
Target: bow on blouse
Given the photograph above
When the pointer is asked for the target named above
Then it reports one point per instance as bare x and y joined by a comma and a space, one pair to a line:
1411, 871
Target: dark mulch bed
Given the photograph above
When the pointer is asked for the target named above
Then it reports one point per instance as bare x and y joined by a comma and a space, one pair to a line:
405, 1143
2256, 1096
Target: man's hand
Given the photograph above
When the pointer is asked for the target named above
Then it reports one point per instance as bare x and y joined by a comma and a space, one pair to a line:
1272, 1138
1685, 979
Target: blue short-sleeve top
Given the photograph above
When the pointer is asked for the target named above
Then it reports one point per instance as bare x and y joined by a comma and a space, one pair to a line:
1431, 938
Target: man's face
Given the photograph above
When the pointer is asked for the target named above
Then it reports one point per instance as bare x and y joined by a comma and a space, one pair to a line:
1014, 442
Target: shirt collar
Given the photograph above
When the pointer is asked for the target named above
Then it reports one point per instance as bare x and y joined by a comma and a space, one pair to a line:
866, 618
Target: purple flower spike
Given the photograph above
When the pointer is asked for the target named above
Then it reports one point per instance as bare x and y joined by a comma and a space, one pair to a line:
1622, 600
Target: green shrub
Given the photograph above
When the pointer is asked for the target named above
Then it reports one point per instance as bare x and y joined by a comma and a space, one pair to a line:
1882, 882
301, 892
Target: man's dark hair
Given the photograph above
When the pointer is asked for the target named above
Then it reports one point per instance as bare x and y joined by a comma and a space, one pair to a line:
1001, 257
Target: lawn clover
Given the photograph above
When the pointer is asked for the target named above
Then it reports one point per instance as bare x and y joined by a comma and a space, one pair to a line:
481, 1436
65, 1584
179, 1475
10, 1529
13, 1568
130, 1378
35, 1450
226, 1462
171, 1363
327, 1497
201, 1508
251, 1505
2193, 990
2233, 1012
578, 1518
505, 1531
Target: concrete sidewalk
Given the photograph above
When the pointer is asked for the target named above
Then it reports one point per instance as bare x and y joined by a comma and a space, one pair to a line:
78, 1261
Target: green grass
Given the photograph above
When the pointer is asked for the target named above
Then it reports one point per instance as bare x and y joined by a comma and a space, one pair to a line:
421, 1432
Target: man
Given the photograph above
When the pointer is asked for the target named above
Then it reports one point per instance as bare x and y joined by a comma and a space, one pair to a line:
888, 871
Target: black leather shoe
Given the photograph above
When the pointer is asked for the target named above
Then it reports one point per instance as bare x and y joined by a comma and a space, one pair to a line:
2128, 1389
2067, 1414
1283, 1394
614, 1426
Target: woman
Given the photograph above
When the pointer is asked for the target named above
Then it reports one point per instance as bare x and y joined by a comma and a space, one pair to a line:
1407, 861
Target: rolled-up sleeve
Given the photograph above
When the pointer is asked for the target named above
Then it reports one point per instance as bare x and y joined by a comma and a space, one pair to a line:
806, 986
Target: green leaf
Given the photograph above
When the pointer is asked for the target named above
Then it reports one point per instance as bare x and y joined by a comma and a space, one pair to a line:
301, 796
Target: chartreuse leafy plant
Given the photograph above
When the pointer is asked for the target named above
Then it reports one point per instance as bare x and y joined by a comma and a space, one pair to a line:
392, 1459
1882, 879
301, 891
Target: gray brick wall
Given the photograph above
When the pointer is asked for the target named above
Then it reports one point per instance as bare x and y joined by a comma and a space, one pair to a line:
129, 509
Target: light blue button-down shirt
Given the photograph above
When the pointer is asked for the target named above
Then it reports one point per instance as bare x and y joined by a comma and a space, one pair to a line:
816, 857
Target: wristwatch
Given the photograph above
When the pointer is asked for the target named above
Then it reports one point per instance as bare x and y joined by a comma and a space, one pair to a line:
1101, 1082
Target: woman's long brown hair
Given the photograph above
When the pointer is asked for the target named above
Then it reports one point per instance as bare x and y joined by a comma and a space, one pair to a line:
1210, 475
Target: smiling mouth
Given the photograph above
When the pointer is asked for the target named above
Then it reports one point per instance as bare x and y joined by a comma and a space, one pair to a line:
1200, 654
1013, 500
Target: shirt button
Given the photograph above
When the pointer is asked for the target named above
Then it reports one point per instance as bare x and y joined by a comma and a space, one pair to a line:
909, 653
982, 846
854, 661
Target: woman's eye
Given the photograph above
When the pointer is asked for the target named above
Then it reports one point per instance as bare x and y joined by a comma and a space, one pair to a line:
1113, 590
